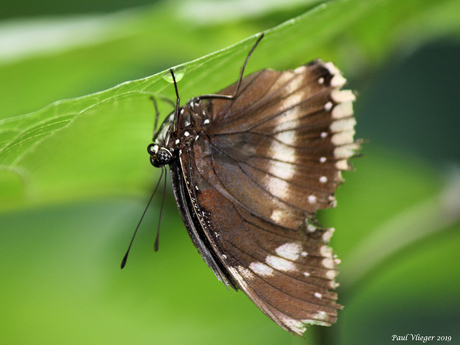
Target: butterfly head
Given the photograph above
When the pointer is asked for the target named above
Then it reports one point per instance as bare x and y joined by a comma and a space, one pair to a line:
159, 156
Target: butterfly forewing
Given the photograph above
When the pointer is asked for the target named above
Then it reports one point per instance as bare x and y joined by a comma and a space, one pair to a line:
256, 168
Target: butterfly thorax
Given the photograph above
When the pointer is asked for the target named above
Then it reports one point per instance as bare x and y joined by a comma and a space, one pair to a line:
169, 142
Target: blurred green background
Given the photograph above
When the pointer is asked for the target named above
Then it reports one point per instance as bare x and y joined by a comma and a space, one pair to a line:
75, 176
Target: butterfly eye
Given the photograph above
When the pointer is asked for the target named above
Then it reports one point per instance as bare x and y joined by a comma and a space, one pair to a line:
152, 149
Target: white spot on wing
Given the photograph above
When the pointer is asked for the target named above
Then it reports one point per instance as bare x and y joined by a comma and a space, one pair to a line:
332, 200
332, 69
300, 69
280, 263
328, 263
278, 187
311, 228
326, 251
344, 109
295, 95
321, 315
287, 137
281, 152
334, 285
328, 106
345, 151
343, 138
315, 322
311, 199
331, 274
340, 96
295, 325
328, 234
323, 179
247, 274
261, 269
282, 170
323, 160
343, 125
285, 152
337, 79
342, 164
318, 295
277, 216
290, 251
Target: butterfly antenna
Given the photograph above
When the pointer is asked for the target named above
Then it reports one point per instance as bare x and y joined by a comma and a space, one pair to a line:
157, 115
157, 239
125, 258
176, 112
245, 63
240, 78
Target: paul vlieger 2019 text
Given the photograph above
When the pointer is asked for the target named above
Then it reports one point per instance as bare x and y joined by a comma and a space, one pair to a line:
421, 338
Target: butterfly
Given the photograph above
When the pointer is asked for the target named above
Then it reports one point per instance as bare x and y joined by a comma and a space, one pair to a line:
250, 166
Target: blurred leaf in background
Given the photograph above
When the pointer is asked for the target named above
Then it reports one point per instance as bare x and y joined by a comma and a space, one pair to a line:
75, 177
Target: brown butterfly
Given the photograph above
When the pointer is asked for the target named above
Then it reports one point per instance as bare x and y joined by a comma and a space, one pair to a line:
250, 166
